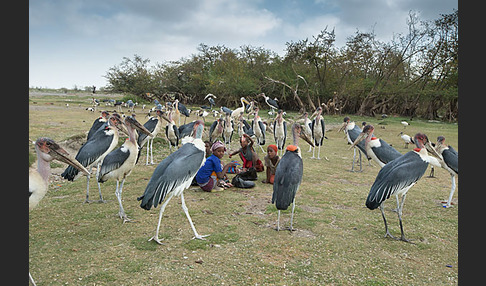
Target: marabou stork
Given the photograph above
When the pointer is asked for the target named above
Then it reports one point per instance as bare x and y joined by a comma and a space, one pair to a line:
47, 150
259, 129
184, 111
308, 128
98, 123
226, 110
186, 130
318, 132
228, 127
240, 110
175, 174
376, 148
172, 133
210, 97
352, 132
280, 130
154, 125
216, 130
176, 113
288, 175
270, 102
119, 163
94, 151
407, 139
449, 161
398, 176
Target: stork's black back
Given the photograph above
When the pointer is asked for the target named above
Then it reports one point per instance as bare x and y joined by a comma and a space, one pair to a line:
288, 176
451, 158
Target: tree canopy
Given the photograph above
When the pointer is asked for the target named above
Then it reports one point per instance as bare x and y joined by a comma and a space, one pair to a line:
415, 74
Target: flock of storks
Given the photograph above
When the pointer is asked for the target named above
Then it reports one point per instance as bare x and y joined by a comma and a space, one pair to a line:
398, 173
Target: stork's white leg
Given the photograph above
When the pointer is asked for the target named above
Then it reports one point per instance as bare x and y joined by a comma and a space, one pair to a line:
313, 152
387, 233
186, 211
278, 221
319, 153
400, 219
162, 208
148, 147
151, 152
453, 188
99, 185
292, 216
87, 185
118, 194
31, 279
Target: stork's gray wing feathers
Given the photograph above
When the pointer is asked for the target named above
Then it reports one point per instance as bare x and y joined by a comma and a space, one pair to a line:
285, 186
395, 176
113, 161
385, 153
211, 129
262, 128
186, 129
451, 158
285, 133
97, 124
177, 170
150, 125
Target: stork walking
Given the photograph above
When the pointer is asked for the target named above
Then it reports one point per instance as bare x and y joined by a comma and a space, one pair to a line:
259, 129
318, 133
94, 151
376, 148
450, 162
47, 150
280, 131
288, 176
397, 177
119, 163
173, 175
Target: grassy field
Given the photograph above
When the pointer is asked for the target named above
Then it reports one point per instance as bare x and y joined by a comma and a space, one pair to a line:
338, 241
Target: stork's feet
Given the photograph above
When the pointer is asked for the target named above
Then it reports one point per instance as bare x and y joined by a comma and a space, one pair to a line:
201, 237
446, 205
156, 239
125, 218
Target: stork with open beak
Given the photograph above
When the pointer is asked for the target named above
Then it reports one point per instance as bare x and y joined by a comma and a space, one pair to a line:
47, 150
376, 148
119, 163
94, 151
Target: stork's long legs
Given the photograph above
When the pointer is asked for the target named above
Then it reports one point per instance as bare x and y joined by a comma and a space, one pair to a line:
148, 147
186, 211
354, 158
162, 208
152, 151
387, 232
87, 185
99, 185
31, 279
118, 194
453, 188
278, 221
292, 216
400, 219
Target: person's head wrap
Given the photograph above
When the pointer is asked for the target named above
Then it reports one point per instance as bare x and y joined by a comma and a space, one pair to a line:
274, 147
216, 145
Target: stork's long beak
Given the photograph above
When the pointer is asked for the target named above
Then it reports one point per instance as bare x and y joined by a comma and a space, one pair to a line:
360, 138
63, 156
306, 139
432, 151
138, 126
343, 126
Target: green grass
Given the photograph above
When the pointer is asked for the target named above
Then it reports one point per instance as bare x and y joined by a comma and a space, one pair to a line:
338, 241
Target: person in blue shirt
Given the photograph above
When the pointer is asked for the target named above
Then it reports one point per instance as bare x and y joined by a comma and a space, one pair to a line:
212, 171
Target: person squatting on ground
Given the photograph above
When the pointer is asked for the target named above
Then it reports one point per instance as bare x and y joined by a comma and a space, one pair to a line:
248, 154
211, 175
271, 161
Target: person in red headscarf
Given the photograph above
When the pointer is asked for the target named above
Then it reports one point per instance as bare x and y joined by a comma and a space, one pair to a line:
271, 161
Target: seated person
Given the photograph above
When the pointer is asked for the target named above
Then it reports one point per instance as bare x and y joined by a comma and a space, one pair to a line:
212, 171
248, 154
271, 161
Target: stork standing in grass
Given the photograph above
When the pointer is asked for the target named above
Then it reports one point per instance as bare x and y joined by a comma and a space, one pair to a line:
173, 175
259, 129
397, 177
94, 151
280, 131
154, 125
352, 133
240, 110
210, 97
407, 139
272, 103
450, 162
47, 150
318, 132
119, 163
228, 128
172, 133
288, 175
216, 130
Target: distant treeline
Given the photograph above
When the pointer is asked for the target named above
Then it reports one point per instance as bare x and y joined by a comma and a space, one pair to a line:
415, 74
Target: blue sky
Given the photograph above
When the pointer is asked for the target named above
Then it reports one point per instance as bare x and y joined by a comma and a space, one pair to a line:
76, 42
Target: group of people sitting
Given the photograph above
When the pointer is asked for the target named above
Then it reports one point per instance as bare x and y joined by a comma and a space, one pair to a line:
211, 177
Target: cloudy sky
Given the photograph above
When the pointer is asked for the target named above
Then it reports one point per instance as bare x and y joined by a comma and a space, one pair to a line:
76, 42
